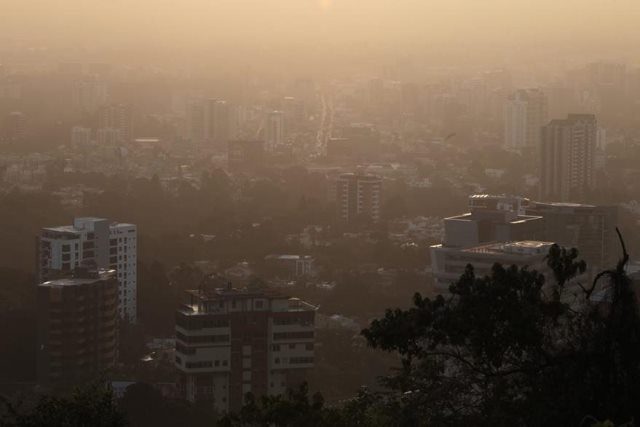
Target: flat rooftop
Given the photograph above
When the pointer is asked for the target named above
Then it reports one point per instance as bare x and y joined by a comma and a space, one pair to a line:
78, 281
518, 248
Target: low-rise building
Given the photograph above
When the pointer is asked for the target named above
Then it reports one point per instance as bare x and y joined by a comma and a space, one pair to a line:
448, 264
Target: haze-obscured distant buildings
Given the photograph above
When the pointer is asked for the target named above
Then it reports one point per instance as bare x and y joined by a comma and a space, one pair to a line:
118, 119
210, 122
525, 114
274, 130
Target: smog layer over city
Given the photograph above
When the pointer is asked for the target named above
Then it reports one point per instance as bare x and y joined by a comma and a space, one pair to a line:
288, 213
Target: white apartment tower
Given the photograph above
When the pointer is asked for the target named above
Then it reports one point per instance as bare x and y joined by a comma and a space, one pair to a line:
358, 197
274, 134
93, 241
525, 114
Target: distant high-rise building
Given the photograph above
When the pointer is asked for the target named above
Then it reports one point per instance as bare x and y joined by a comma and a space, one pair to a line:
525, 114
118, 117
108, 136
218, 124
95, 241
80, 135
195, 126
77, 327
274, 130
567, 158
210, 121
230, 342
89, 95
358, 197
14, 129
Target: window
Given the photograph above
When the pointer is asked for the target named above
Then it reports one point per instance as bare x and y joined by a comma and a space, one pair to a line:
259, 304
66, 248
275, 347
300, 360
309, 346
199, 365
292, 335
292, 346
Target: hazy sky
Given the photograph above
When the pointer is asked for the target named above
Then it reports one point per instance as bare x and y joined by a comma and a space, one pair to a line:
209, 22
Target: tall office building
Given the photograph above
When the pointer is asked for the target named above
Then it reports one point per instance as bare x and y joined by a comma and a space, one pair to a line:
274, 130
589, 228
230, 342
567, 158
220, 123
94, 241
358, 197
118, 117
89, 95
525, 114
210, 121
195, 121
77, 327
14, 127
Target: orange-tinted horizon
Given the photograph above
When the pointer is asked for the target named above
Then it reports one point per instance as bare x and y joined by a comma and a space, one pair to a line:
281, 22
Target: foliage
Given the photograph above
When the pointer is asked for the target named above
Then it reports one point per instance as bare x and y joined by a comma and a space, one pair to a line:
513, 349
91, 406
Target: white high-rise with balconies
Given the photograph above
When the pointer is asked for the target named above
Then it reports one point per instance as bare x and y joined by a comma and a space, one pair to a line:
93, 241
525, 114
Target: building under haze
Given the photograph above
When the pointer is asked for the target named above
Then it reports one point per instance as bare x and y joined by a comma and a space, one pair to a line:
525, 114
230, 342
14, 129
567, 158
274, 130
119, 118
209, 122
358, 197
77, 327
80, 136
93, 241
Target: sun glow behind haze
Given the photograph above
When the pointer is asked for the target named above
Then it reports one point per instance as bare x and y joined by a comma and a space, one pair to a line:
210, 22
